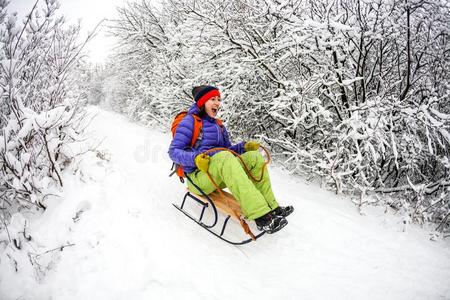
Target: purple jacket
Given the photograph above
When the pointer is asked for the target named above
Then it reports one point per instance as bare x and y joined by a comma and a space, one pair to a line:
180, 150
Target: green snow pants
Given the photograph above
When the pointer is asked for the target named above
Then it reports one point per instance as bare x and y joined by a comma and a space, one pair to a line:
255, 198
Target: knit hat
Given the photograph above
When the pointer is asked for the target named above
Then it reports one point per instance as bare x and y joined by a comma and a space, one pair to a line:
203, 93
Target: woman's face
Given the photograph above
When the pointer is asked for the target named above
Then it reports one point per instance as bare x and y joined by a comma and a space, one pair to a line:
212, 106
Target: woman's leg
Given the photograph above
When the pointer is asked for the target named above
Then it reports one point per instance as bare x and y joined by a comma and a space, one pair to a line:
255, 163
226, 170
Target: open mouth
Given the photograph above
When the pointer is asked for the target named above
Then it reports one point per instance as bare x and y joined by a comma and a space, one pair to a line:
214, 110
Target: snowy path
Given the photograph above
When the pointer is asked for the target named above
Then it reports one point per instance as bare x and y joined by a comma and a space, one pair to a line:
132, 244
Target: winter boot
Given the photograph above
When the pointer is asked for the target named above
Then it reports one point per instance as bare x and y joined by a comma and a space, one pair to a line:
283, 211
270, 223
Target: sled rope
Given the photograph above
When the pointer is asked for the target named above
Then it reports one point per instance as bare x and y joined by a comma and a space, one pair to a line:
236, 214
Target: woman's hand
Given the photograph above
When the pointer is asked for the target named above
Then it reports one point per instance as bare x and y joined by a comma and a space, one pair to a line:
202, 162
251, 146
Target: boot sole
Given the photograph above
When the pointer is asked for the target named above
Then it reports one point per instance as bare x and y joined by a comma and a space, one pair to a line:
282, 224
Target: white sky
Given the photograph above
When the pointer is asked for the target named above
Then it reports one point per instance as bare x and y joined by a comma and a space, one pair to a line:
90, 12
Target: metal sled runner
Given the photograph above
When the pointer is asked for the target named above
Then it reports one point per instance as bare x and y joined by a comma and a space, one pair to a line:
218, 201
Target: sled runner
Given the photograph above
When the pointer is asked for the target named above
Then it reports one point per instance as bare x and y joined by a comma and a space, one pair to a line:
224, 203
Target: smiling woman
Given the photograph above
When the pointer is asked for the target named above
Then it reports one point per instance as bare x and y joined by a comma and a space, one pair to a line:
222, 169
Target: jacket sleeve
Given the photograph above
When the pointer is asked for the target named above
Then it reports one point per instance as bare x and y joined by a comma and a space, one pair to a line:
238, 148
180, 149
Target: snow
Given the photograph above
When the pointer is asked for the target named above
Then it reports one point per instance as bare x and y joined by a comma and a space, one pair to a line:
351, 81
340, 26
130, 243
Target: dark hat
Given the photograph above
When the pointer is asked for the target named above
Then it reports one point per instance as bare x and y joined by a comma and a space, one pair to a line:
203, 93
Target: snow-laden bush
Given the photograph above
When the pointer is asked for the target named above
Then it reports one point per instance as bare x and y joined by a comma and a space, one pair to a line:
356, 92
38, 118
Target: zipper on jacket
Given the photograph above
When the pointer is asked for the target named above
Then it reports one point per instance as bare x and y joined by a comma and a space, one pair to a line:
218, 135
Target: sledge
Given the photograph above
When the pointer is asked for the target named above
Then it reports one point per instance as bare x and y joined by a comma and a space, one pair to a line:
222, 202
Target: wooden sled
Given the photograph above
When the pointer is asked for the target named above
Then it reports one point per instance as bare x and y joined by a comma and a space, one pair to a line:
224, 203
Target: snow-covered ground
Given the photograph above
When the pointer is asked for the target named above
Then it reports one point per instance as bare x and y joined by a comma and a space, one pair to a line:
130, 243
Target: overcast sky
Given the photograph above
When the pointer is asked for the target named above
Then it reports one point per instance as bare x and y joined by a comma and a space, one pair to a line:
90, 12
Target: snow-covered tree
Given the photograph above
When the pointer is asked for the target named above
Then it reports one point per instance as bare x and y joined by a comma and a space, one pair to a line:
39, 118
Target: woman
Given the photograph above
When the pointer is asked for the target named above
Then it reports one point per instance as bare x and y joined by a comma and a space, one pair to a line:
255, 198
